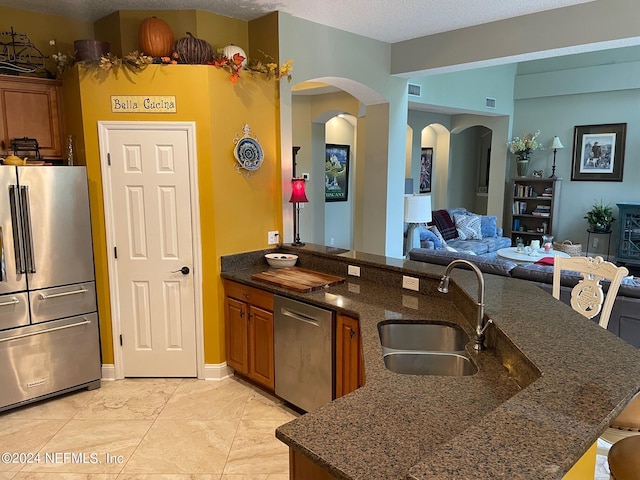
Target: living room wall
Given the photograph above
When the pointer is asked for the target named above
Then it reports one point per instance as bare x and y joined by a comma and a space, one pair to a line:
557, 101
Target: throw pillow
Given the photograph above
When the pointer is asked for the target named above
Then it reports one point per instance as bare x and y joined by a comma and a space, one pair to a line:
489, 226
442, 220
426, 234
468, 227
433, 229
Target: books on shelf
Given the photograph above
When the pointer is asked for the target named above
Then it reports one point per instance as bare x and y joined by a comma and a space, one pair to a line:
520, 190
542, 211
519, 208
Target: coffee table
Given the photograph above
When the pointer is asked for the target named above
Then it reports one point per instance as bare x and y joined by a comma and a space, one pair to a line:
511, 254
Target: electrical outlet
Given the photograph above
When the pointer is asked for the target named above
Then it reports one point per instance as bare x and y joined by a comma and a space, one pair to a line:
305, 176
272, 237
595, 243
411, 283
353, 270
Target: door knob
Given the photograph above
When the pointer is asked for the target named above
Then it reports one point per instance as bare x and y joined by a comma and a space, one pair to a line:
183, 270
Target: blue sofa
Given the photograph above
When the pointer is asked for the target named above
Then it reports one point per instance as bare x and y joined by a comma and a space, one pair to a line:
450, 222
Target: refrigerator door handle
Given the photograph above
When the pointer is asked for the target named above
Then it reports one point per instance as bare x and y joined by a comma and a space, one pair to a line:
26, 225
16, 224
3, 268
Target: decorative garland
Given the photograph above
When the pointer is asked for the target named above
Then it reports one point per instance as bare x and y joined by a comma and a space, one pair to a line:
135, 62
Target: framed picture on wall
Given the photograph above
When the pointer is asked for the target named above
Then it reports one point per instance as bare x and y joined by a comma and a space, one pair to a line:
336, 172
426, 169
598, 152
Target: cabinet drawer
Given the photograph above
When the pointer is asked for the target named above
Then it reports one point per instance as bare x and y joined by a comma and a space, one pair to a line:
244, 293
14, 310
60, 302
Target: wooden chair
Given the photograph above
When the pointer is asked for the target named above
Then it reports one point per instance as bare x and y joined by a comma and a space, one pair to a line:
588, 298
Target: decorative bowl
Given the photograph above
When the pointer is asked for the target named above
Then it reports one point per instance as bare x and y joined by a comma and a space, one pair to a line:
280, 260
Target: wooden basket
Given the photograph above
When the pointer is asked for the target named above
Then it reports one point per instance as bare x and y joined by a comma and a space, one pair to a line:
573, 249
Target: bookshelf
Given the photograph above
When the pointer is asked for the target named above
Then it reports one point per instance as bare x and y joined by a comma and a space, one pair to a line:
533, 207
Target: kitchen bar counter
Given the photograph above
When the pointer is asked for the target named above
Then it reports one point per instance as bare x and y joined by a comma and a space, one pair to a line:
566, 378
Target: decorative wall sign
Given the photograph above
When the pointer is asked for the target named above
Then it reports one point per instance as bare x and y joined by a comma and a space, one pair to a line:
598, 152
143, 104
336, 173
247, 152
18, 55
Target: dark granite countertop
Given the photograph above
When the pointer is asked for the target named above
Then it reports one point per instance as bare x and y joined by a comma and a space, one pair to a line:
567, 379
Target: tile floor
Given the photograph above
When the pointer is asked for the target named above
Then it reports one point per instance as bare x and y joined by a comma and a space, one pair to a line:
142, 429
165, 429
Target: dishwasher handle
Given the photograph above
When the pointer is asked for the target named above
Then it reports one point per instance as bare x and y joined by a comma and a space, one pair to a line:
300, 317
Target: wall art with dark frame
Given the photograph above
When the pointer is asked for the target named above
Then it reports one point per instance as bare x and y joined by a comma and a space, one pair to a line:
426, 169
336, 172
598, 152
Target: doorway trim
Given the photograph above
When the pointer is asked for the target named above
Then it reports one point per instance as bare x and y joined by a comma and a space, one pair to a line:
104, 127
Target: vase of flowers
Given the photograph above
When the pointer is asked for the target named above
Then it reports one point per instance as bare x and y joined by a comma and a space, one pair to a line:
522, 148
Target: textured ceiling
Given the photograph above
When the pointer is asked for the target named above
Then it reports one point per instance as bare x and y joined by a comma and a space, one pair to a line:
386, 20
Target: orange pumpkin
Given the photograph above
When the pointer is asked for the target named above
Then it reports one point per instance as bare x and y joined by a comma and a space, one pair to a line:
155, 37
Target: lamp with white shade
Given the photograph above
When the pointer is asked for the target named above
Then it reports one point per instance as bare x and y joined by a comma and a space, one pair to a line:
417, 210
556, 144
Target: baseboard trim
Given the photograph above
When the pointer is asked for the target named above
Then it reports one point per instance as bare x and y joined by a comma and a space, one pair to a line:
212, 371
217, 371
108, 372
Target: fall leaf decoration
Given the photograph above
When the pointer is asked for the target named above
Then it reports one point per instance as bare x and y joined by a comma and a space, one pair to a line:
234, 66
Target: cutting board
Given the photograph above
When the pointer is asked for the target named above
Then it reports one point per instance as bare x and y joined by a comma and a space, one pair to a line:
297, 279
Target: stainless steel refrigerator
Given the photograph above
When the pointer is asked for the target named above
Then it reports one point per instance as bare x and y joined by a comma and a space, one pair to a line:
49, 341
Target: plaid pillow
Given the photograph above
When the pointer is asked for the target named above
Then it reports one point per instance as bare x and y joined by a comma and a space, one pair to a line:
442, 220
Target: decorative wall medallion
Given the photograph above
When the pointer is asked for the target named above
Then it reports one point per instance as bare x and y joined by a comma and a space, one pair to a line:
247, 152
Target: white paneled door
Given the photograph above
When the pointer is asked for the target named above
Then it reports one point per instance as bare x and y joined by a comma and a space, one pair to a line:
153, 251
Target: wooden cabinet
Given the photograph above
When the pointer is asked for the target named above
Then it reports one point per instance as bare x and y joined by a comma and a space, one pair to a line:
32, 107
534, 207
629, 233
349, 364
249, 332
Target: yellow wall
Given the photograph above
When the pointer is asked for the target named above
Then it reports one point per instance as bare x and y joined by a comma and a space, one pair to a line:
236, 211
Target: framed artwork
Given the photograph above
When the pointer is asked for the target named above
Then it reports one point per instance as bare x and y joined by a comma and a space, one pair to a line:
336, 172
598, 152
426, 169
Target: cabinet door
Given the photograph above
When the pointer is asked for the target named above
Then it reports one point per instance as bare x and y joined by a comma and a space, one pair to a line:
261, 358
348, 355
236, 335
32, 107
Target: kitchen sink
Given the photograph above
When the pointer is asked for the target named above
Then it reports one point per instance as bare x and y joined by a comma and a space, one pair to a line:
425, 348
433, 337
429, 363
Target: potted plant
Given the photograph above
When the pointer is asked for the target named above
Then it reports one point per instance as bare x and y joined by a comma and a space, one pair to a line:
600, 217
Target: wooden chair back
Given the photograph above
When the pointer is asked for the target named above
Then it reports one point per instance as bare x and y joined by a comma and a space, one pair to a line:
587, 297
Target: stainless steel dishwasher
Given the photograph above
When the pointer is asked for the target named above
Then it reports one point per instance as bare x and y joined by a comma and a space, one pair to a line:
303, 336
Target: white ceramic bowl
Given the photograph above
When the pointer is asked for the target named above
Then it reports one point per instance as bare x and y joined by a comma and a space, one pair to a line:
280, 260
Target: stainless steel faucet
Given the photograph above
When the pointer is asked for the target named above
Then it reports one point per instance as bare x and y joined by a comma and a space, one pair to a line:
444, 288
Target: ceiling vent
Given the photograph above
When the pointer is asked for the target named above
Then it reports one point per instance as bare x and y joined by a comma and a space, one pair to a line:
414, 89
490, 102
